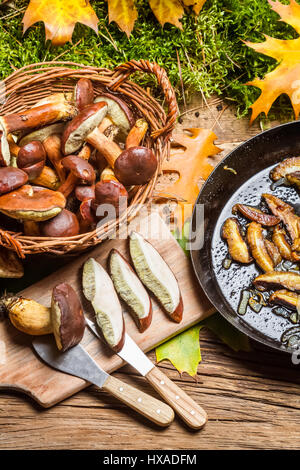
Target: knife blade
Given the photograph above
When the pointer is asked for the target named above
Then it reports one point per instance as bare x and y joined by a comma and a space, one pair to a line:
191, 413
76, 361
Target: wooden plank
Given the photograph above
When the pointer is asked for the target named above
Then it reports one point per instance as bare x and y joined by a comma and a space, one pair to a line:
22, 370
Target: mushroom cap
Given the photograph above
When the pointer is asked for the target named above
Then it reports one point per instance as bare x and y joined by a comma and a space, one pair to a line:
110, 192
81, 126
84, 93
43, 133
65, 224
83, 192
135, 166
32, 203
4, 150
80, 168
119, 113
11, 178
31, 159
67, 317
86, 217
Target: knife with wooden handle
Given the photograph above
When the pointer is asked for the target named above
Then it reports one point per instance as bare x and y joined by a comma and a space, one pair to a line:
76, 361
191, 413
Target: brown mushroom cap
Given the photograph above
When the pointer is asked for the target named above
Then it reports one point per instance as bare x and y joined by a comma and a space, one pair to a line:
86, 217
31, 159
80, 168
119, 113
80, 127
135, 166
32, 203
83, 192
67, 317
65, 224
11, 179
84, 93
110, 192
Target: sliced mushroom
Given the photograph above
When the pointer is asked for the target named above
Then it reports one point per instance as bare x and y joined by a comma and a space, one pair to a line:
83, 93
273, 252
278, 280
110, 192
285, 298
237, 247
42, 134
99, 290
32, 203
289, 165
286, 214
135, 165
279, 238
258, 248
31, 159
156, 275
130, 289
10, 264
38, 116
11, 179
252, 213
294, 178
65, 224
118, 112
67, 317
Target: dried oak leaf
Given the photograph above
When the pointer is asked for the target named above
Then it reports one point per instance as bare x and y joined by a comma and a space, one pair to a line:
60, 17
286, 76
189, 159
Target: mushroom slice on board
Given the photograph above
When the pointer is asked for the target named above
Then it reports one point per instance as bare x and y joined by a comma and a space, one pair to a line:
237, 247
277, 280
118, 112
285, 298
258, 248
32, 203
130, 289
98, 288
156, 275
67, 317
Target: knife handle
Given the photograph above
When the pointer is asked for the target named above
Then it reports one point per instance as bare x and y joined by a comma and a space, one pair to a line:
191, 413
148, 406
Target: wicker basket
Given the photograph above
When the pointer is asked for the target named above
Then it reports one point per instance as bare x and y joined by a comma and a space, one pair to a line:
28, 85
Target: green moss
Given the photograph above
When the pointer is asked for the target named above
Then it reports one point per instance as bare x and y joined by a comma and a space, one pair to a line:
212, 55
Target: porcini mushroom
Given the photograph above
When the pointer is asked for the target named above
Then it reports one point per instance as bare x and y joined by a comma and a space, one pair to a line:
52, 145
32, 203
133, 166
82, 173
83, 192
86, 217
11, 179
109, 191
42, 134
136, 133
4, 150
48, 179
67, 317
118, 112
31, 159
65, 224
83, 93
38, 116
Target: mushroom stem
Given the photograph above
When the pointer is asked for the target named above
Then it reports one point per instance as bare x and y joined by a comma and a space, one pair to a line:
52, 146
48, 179
136, 133
71, 181
31, 228
109, 149
38, 116
108, 174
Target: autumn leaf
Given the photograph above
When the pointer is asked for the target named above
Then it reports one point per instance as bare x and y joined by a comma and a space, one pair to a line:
124, 13
167, 11
189, 159
286, 76
60, 17
184, 352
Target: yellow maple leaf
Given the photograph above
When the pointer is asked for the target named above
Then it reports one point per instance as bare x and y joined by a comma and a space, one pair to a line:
286, 76
167, 11
124, 13
60, 17
190, 162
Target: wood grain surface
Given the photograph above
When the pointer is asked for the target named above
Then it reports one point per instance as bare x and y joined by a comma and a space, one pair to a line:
252, 399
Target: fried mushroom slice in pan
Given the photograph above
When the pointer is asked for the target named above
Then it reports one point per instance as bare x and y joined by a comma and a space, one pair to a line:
285, 298
287, 166
256, 215
237, 247
258, 248
278, 280
286, 213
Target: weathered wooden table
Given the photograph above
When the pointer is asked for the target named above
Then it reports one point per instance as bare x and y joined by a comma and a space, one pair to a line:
252, 399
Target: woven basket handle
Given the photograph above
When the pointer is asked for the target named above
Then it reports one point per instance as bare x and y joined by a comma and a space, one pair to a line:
123, 71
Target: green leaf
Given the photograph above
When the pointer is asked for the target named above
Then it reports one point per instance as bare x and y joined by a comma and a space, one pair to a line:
183, 351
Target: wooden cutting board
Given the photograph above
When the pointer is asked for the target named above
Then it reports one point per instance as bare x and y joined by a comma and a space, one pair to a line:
21, 369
